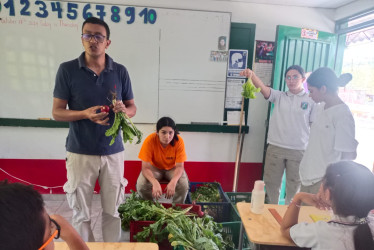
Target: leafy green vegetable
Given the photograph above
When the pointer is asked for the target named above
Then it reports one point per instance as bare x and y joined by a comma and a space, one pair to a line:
136, 209
121, 120
185, 230
174, 224
208, 192
249, 89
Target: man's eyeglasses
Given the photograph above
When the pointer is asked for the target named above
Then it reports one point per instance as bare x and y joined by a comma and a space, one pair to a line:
295, 77
54, 235
98, 38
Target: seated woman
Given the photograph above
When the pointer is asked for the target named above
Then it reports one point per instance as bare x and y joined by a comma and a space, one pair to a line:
163, 156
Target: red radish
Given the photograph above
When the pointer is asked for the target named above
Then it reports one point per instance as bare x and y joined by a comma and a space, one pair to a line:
105, 109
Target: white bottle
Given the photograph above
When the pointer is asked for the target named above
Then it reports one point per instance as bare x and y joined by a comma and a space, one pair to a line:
258, 198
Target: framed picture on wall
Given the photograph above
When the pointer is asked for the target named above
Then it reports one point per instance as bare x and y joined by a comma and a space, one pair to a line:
264, 51
237, 62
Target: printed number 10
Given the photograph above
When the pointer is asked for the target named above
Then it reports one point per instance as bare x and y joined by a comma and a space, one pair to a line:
149, 16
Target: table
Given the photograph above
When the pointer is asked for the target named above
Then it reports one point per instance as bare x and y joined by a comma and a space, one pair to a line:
112, 246
263, 229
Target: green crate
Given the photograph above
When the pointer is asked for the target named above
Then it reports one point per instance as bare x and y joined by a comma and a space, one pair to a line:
232, 229
234, 214
235, 197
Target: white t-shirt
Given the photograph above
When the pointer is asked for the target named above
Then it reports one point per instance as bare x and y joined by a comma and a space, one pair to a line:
326, 236
289, 125
332, 132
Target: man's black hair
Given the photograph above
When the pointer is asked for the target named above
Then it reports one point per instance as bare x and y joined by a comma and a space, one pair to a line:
95, 20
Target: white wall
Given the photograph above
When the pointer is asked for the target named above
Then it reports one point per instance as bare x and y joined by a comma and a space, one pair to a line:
48, 143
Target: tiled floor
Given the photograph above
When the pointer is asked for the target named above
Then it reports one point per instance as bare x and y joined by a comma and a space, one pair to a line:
57, 204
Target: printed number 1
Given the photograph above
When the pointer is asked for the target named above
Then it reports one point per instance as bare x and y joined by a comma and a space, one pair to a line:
10, 5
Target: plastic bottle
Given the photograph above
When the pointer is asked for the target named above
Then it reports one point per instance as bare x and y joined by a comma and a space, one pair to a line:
258, 197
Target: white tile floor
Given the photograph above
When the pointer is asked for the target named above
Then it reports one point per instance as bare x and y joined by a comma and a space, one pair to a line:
57, 204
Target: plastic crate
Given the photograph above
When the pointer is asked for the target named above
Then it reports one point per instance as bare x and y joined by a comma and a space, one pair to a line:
220, 211
235, 197
196, 185
232, 230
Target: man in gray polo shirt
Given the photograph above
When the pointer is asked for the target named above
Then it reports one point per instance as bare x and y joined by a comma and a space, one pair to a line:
83, 86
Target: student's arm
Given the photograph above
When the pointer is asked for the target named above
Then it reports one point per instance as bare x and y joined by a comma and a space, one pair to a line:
69, 235
265, 90
147, 173
292, 214
291, 217
127, 107
61, 113
170, 188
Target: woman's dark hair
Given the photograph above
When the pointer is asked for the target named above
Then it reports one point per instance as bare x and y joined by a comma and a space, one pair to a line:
168, 122
22, 224
351, 188
296, 67
326, 77
95, 20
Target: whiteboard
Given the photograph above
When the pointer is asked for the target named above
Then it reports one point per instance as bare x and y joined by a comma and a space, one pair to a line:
167, 56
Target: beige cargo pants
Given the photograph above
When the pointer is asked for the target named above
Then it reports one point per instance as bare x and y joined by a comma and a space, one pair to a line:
144, 187
82, 173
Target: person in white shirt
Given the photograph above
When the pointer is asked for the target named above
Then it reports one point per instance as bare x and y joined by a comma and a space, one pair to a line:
347, 189
288, 132
332, 134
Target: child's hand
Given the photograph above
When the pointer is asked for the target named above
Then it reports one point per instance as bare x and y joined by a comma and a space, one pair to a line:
323, 202
313, 200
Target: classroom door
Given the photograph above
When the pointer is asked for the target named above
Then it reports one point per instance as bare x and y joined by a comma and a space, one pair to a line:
310, 49
242, 36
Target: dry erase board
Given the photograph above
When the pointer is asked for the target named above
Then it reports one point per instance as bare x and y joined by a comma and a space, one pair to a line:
168, 53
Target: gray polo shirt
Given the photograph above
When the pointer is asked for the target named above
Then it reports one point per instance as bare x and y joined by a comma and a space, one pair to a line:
82, 88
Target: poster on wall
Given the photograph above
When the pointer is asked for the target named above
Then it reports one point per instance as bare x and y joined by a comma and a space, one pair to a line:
234, 93
264, 51
237, 62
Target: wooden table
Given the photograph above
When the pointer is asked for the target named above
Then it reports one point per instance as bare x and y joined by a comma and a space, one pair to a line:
263, 229
112, 246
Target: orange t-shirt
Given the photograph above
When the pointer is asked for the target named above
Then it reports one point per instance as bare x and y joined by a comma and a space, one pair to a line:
163, 158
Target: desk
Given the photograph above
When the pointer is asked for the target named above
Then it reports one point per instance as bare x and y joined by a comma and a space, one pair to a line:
112, 246
263, 229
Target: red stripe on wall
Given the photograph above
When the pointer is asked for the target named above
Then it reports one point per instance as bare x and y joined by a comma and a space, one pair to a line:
51, 173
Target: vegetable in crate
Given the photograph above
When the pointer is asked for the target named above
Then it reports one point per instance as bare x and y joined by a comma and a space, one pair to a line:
188, 231
249, 89
136, 209
121, 120
178, 226
209, 192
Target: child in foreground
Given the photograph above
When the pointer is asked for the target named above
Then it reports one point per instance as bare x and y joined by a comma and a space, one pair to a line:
348, 189
26, 225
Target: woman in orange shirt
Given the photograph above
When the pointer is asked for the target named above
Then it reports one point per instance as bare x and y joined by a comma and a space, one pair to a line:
163, 156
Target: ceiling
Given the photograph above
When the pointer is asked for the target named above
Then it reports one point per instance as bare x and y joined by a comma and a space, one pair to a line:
330, 4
